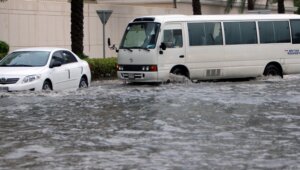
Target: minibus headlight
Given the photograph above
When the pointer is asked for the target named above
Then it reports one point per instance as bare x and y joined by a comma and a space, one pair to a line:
31, 78
145, 68
120, 68
149, 68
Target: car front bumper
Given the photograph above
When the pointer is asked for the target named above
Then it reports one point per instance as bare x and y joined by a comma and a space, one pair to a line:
35, 85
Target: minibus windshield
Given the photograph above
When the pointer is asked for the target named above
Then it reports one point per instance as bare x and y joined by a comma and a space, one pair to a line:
141, 35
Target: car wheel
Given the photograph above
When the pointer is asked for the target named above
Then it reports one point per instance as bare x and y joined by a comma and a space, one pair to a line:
83, 83
47, 86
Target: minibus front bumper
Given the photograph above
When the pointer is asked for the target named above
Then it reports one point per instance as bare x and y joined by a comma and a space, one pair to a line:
138, 76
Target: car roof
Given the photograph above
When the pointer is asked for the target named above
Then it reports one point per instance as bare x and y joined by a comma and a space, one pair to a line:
50, 49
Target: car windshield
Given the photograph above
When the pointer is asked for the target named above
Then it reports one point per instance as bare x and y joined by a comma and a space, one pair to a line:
140, 35
25, 59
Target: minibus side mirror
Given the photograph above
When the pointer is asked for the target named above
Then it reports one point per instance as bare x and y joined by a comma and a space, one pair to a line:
108, 42
163, 46
112, 47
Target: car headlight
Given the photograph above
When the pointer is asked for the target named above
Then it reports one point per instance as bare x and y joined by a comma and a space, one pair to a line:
31, 78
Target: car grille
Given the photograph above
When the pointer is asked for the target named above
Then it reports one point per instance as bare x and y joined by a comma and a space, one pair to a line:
8, 80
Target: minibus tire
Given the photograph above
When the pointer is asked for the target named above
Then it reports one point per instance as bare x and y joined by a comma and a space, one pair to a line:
272, 70
180, 72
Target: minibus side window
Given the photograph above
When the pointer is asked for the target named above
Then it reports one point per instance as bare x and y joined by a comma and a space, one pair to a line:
274, 32
205, 34
295, 24
173, 38
240, 33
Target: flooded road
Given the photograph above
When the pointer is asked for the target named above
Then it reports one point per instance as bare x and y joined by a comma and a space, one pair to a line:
209, 125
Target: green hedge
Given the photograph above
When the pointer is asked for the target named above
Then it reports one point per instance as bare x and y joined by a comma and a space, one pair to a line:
4, 48
103, 68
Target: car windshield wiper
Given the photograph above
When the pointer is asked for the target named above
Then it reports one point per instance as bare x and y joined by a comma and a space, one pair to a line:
19, 65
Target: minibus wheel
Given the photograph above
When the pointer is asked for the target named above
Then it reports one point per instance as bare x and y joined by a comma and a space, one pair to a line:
181, 71
273, 70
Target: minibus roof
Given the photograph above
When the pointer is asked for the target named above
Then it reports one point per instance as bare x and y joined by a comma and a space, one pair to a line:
241, 17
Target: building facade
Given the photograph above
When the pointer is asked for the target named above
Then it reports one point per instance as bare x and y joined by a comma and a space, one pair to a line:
30, 23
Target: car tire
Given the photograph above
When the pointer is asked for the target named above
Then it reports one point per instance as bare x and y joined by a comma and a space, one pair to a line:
47, 86
83, 83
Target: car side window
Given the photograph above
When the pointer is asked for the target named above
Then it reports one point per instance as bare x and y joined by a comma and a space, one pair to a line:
57, 56
69, 57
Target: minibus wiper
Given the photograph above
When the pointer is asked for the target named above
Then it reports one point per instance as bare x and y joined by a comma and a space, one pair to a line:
128, 49
146, 49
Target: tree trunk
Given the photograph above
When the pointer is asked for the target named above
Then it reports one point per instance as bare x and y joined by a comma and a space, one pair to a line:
281, 8
77, 26
196, 7
250, 4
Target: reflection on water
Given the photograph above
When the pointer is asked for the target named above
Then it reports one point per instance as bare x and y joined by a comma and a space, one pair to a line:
209, 125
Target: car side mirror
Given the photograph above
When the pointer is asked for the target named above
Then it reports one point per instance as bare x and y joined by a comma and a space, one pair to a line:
55, 64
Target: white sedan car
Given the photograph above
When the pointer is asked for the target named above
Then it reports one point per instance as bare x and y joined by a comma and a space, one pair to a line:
43, 69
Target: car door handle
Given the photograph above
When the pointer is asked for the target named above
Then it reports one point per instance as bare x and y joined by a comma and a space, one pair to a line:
181, 56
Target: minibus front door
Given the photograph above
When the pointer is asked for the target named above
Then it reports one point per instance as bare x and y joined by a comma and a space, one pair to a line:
173, 40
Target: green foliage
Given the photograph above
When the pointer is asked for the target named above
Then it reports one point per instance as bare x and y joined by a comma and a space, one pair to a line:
82, 56
297, 4
103, 68
4, 48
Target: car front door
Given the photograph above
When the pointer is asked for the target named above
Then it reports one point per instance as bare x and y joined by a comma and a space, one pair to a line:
59, 74
74, 67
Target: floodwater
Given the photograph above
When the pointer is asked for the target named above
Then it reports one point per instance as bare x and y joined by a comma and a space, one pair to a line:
208, 125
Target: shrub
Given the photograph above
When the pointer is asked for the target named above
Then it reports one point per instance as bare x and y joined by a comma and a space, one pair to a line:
103, 68
4, 48
82, 56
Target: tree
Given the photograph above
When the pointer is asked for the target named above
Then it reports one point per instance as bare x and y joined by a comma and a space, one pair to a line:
280, 7
297, 4
77, 26
197, 7
250, 6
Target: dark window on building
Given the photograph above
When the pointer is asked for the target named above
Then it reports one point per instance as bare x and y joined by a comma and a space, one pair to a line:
295, 24
240, 32
274, 32
205, 34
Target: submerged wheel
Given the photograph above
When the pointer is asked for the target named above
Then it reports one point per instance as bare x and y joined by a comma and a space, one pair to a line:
180, 72
47, 85
272, 70
83, 83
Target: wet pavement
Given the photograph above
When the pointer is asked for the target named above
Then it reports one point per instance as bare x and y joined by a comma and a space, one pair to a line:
208, 125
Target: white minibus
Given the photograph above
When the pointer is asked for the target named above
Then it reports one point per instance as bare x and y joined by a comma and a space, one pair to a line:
209, 47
